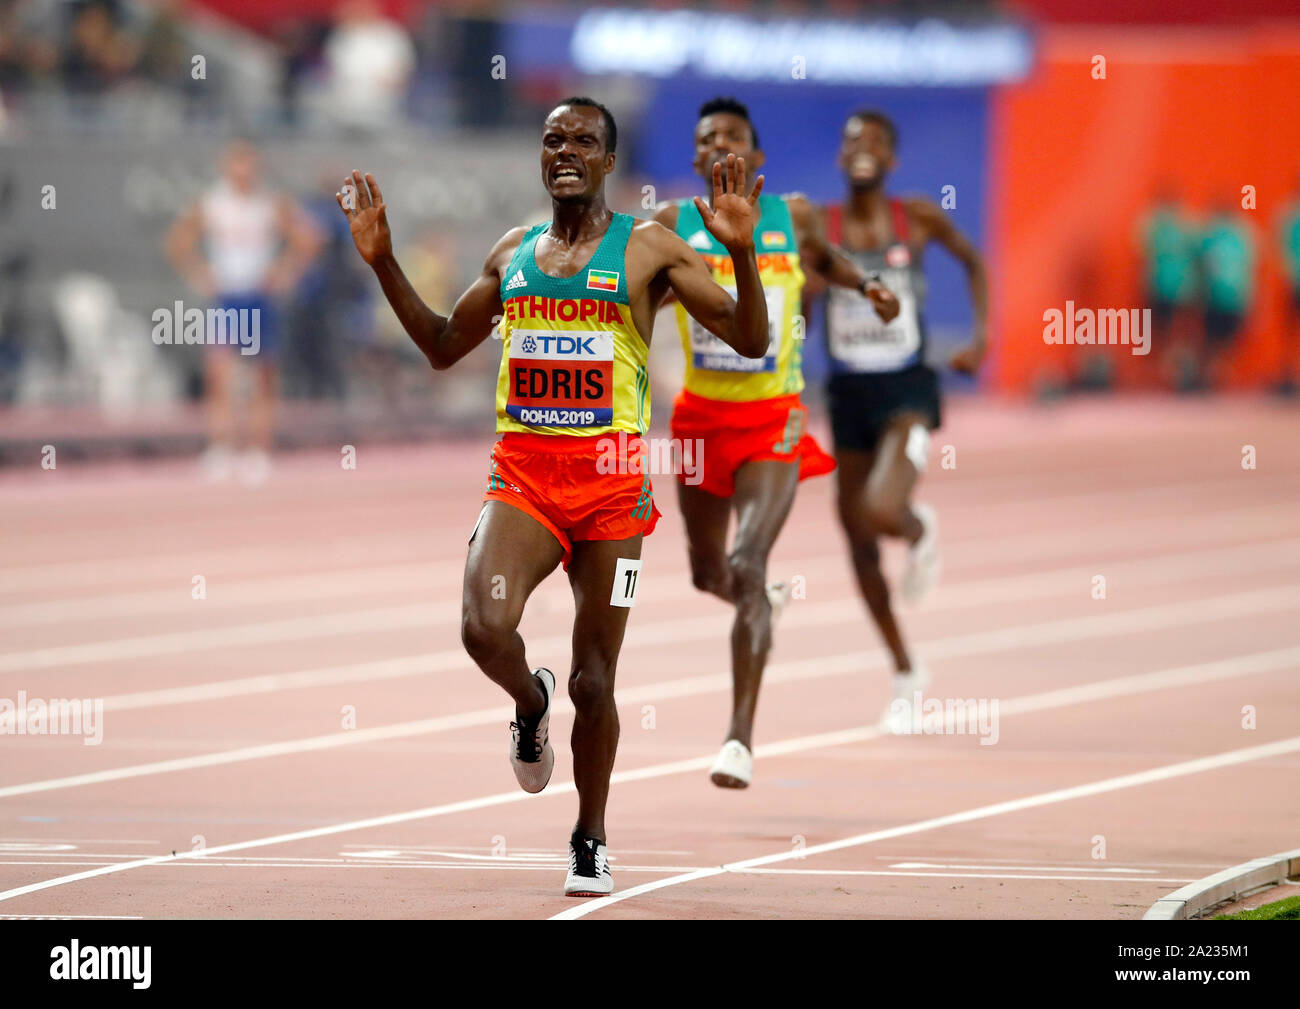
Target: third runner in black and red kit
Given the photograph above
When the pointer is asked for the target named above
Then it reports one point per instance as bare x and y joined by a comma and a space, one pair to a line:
884, 397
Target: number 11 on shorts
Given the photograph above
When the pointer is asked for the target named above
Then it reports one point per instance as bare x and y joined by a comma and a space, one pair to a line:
625, 577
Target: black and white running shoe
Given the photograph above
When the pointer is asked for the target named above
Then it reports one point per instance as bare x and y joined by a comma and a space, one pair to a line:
531, 755
589, 874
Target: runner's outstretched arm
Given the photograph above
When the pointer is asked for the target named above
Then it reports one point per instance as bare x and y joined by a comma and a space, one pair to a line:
933, 218
443, 340
741, 323
831, 264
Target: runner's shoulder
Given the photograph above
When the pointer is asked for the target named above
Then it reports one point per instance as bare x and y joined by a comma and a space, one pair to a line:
658, 236
504, 249
666, 214
924, 211
802, 209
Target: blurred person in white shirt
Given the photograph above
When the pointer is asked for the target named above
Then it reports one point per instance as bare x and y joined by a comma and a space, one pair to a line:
242, 246
370, 60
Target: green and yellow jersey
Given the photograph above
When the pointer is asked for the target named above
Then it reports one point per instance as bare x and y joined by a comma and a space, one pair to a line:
572, 360
713, 369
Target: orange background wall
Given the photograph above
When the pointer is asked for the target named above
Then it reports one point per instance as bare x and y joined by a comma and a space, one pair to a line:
1077, 163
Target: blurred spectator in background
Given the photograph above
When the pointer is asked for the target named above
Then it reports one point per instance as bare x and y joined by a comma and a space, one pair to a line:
334, 305
167, 49
164, 52
301, 42
242, 245
369, 60
29, 41
99, 52
1227, 264
14, 266
1289, 236
1169, 241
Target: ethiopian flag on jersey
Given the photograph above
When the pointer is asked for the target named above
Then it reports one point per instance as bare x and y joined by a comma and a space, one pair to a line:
602, 280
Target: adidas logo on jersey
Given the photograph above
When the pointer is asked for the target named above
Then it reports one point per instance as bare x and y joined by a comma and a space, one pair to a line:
516, 281
699, 240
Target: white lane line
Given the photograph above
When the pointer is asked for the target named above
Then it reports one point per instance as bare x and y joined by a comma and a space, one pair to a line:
1018, 863
482, 851
559, 864
70, 917
1025, 868
979, 592
373, 620
387, 578
389, 618
60, 574
242, 591
1052, 632
1184, 768
72, 840
1031, 702
953, 875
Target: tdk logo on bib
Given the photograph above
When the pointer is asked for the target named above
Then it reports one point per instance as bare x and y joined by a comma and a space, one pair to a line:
556, 345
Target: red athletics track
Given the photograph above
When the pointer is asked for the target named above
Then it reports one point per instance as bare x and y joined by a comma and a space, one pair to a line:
1120, 718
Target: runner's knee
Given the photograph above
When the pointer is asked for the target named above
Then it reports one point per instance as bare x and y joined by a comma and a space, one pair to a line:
853, 519
591, 684
486, 631
884, 511
708, 574
748, 574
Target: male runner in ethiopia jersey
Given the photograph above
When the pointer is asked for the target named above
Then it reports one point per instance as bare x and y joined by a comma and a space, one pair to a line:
744, 418
575, 298
884, 398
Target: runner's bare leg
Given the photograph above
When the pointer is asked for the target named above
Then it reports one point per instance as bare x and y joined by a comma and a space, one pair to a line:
510, 554
707, 518
765, 491
598, 630
858, 518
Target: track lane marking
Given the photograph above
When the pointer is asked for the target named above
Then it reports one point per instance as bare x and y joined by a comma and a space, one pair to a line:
957, 595
1032, 702
1050, 632
414, 616
1229, 758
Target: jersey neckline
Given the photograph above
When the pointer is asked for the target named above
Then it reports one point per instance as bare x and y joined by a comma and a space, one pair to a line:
587, 265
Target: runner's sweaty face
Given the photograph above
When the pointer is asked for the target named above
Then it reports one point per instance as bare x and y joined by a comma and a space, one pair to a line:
866, 153
720, 134
574, 162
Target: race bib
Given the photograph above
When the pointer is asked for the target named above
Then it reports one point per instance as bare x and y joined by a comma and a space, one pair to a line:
626, 572
709, 353
561, 379
860, 340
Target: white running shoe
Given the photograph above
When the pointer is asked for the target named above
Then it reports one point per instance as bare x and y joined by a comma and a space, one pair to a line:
922, 572
217, 463
531, 756
734, 767
589, 874
778, 594
898, 719
255, 467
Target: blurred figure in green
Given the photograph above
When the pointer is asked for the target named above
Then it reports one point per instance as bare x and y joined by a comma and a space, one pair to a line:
1169, 241
1289, 235
1227, 266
